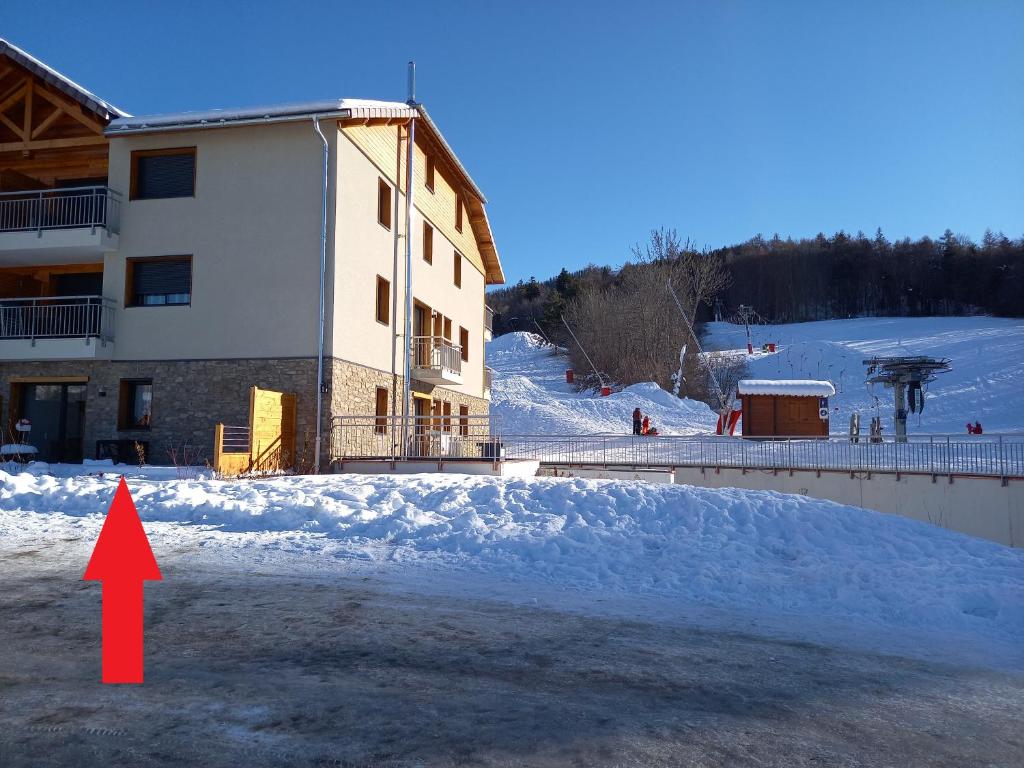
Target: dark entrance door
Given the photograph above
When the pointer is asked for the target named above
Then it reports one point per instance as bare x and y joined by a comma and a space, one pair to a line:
57, 413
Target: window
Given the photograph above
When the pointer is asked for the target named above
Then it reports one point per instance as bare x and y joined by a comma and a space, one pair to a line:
164, 280
380, 422
447, 328
458, 212
428, 243
161, 173
464, 341
135, 404
383, 301
447, 412
464, 420
435, 412
458, 270
384, 203
429, 182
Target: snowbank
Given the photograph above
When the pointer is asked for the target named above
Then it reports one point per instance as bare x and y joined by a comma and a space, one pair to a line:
732, 549
987, 355
530, 396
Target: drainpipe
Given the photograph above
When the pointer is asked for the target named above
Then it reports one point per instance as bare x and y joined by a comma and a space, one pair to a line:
323, 274
407, 383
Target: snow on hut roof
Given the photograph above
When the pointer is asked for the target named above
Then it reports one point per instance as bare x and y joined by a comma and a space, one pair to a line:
787, 387
61, 82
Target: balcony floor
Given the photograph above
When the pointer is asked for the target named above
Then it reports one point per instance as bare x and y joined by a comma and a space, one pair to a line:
436, 376
79, 348
79, 245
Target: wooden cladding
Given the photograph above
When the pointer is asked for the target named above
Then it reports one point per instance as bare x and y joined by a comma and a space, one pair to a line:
428, 176
163, 173
459, 205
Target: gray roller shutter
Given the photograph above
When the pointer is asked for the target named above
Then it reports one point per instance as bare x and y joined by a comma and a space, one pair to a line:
162, 277
165, 175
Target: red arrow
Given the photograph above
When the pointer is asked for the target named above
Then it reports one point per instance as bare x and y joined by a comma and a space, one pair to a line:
122, 560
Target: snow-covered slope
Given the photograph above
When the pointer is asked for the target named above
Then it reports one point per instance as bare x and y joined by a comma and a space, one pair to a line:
986, 383
748, 551
530, 396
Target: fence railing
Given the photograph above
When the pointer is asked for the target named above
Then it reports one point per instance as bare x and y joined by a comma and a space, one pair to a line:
488, 319
477, 437
442, 437
436, 353
77, 207
50, 317
995, 455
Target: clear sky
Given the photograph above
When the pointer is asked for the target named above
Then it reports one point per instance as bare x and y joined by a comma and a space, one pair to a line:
586, 124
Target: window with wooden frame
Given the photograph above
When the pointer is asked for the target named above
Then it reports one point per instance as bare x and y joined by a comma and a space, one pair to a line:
428, 243
384, 203
163, 173
383, 301
135, 404
448, 328
429, 173
446, 424
380, 411
457, 268
458, 212
464, 342
158, 281
464, 420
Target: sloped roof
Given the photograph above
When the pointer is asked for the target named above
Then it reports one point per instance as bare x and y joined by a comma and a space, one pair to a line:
786, 387
66, 85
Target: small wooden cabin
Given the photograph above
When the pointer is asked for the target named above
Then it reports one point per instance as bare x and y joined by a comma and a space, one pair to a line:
785, 408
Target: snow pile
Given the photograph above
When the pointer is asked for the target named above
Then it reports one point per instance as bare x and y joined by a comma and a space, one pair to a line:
985, 384
732, 549
530, 396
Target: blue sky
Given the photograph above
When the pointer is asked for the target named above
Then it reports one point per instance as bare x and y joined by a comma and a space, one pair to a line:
587, 124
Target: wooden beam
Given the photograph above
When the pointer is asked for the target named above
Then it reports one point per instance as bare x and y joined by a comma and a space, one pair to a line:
81, 141
72, 111
57, 112
14, 95
26, 132
10, 124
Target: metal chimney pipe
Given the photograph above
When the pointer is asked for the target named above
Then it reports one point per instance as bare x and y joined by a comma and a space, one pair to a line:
411, 101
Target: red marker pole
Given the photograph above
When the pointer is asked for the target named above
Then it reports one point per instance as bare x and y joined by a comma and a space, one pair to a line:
122, 560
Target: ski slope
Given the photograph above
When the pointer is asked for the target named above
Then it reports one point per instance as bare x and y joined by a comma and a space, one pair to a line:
529, 396
986, 383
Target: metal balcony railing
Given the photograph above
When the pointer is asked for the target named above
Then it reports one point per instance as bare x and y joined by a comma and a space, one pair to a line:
73, 208
415, 437
488, 377
488, 319
52, 317
437, 354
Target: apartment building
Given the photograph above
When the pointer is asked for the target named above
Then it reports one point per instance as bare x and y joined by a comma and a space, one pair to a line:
153, 269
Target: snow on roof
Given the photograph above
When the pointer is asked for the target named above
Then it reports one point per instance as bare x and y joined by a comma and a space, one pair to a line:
271, 113
788, 387
62, 83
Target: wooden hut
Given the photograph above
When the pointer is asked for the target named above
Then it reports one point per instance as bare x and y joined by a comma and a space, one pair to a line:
785, 408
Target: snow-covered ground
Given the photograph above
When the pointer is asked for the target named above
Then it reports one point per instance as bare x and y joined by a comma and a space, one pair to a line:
785, 560
530, 396
987, 355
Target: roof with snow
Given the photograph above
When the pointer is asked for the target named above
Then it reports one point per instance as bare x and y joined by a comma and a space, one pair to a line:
62, 83
786, 387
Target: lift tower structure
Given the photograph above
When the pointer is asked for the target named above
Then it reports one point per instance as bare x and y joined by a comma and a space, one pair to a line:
906, 375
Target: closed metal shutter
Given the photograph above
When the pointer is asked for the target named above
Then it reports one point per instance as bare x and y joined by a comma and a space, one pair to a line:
162, 277
165, 176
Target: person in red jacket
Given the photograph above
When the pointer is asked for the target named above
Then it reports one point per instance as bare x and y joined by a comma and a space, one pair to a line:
977, 428
645, 427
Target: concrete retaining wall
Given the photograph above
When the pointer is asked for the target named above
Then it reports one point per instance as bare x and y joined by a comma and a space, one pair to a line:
977, 506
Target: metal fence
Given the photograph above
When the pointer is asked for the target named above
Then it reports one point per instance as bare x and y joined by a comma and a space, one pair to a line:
436, 353
76, 207
478, 437
442, 437
995, 455
57, 317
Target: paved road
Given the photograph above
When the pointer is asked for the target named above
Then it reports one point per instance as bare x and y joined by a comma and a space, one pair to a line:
273, 670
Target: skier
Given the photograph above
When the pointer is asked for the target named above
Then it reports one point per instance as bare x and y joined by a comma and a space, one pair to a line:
855, 427
637, 419
977, 428
970, 428
645, 427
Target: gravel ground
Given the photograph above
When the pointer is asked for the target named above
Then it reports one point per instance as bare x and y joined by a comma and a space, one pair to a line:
274, 669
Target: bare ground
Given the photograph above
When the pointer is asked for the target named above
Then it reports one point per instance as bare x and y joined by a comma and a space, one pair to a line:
279, 670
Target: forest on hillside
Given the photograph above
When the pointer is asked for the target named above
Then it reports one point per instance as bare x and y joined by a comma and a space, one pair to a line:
627, 320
